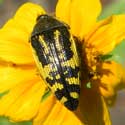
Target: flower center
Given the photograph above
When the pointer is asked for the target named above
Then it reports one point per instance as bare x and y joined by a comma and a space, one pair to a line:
91, 62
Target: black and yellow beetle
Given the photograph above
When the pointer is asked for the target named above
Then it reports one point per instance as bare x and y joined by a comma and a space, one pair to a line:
55, 53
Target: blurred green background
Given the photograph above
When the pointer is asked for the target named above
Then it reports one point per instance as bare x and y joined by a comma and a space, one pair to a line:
7, 10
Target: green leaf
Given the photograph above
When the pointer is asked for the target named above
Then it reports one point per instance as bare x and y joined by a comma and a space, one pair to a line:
117, 7
4, 93
1, 1
118, 54
5, 121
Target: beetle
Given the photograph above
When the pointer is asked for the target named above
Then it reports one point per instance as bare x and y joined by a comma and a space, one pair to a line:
56, 57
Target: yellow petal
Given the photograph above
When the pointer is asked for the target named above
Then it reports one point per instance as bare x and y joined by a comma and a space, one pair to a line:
81, 15
93, 108
52, 112
22, 102
15, 52
25, 17
107, 34
112, 80
63, 10
11, 76
15, 34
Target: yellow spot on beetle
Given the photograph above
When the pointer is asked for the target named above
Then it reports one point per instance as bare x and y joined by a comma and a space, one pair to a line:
74, 95
72, 81
57, 42
57, 86
63, 99
58, 76
43, 43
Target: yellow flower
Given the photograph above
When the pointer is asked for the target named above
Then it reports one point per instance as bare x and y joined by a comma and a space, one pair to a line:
22, 86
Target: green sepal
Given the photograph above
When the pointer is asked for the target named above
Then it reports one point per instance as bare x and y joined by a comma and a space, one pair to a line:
106, 57
89, 85
46, 95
